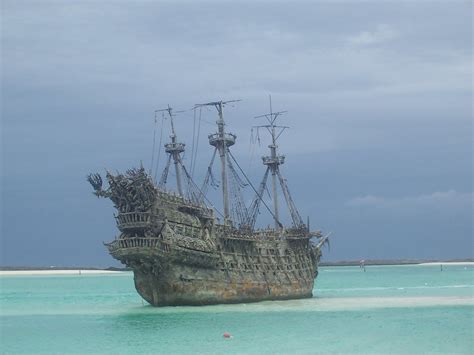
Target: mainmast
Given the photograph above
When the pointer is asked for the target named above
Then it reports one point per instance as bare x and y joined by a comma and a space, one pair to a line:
222, 141
174, 149
273, 161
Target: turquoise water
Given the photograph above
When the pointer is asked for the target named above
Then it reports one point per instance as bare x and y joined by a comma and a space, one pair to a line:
388, 309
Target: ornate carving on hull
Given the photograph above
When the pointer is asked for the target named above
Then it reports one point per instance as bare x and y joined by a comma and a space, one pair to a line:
133, 191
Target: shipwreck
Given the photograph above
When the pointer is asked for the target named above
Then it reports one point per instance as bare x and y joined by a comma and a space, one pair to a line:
184, 251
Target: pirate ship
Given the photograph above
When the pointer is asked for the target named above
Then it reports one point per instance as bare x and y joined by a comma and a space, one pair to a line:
182, 253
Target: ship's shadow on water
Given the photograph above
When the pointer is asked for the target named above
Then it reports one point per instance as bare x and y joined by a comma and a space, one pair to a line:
315, 304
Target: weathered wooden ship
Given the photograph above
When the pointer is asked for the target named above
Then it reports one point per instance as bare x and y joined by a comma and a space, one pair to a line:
181, 253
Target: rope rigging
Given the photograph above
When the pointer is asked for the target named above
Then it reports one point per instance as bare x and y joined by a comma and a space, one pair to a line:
193, 192
238, 205
164, 175
159, 147
209, 178
153, 148
195, 146
295, 216
196, 195
254, 208
253, 188
235, 181
194, 136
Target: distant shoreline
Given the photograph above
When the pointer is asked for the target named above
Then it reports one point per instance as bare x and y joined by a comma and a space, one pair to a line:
380, 262
61, 269
33, 272
57, 270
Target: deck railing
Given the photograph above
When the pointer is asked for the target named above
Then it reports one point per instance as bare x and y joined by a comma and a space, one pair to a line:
126, 243
134, 220
158, 243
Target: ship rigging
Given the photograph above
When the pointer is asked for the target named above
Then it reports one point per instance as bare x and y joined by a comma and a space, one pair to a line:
233, 180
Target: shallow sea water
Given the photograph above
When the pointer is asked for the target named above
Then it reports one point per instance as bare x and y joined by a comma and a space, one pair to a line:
387, 309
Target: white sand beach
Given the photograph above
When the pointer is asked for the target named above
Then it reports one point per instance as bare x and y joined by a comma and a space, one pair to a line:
447, 263
56, 272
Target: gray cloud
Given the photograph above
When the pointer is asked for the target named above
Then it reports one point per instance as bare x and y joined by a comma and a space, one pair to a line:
379, 96
383, 33
440, 199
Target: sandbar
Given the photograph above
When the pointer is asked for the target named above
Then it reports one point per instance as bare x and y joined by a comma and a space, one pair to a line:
56, 272
466, 263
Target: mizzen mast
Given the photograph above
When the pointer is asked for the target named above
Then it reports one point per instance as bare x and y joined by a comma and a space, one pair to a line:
222, 140
273, 161
174, 149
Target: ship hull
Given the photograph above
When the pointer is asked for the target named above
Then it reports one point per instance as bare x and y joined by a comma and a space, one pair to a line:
237, 271
170, 291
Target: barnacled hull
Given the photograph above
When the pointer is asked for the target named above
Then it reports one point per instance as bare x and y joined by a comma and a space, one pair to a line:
163, 291
168, 275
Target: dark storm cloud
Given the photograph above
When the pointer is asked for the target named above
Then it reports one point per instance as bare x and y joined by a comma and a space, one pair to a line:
379, 98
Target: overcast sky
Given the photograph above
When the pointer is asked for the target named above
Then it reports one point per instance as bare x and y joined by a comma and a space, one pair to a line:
378, 94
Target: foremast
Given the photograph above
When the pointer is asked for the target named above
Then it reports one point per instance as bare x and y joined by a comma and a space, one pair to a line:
274, 160
174, 149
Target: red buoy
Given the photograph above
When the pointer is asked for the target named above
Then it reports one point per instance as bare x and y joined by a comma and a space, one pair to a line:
226, 335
